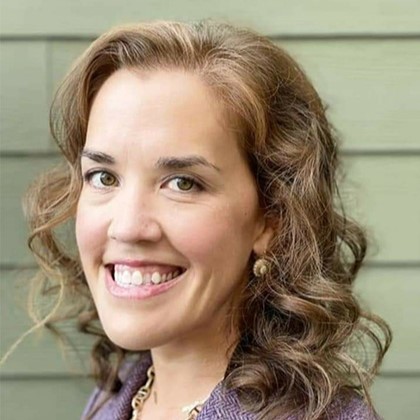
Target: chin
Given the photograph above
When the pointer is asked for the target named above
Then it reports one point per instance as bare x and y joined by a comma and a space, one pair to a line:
131, 345
136, 339
128, 341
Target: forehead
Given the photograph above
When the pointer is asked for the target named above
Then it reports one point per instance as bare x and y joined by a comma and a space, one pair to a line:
154, 109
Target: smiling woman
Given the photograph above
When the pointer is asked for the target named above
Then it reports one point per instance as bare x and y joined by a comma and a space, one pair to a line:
212, 248
153, 222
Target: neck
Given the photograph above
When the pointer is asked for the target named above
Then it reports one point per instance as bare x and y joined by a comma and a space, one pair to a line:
188, 371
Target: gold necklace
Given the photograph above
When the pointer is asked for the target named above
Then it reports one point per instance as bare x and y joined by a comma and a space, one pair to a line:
143, 394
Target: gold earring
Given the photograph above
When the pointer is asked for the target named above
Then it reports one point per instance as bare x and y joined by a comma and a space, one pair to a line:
260, 268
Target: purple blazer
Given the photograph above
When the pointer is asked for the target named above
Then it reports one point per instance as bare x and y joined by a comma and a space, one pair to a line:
221, 405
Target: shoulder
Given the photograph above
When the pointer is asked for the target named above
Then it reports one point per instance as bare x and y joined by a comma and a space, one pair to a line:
351, 407
224, 404
93, 400
131, 373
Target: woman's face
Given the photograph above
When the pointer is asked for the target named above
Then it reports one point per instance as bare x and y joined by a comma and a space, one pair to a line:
168, 215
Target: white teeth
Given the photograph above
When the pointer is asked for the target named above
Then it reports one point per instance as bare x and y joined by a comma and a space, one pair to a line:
127, 278
156, 279
137, 278
123, 279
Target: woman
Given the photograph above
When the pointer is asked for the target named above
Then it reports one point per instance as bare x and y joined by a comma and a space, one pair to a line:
201, 175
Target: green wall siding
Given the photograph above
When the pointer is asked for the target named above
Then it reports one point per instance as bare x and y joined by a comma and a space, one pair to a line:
363, 58
52, 17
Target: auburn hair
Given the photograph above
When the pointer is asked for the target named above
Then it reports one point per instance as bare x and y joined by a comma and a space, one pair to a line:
300, 327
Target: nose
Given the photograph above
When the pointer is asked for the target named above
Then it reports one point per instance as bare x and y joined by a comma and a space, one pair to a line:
133, 219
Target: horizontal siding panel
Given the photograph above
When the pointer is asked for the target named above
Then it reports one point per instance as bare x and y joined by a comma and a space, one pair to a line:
46, 399
390, 293
378, 189
21, 17
23, 96
371, 89
397, 398
39, 353
382, 194
15, 176
393, 294
63, 54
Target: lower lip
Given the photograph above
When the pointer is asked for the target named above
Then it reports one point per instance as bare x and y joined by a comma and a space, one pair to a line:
138, 292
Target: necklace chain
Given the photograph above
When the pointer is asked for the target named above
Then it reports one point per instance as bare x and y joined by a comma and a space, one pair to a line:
143, 394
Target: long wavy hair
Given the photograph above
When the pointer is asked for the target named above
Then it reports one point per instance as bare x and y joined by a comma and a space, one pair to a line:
303, 337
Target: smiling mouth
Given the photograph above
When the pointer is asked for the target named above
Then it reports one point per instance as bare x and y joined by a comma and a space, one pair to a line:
143, 276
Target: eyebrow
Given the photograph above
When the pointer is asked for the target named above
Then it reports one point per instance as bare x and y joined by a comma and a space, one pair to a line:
98, 156
168, 162
182, 162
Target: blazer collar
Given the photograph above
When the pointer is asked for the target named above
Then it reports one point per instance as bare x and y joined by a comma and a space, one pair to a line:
222, 403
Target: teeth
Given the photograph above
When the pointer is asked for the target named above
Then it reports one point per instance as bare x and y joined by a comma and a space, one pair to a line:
126, 278
137, 278
156, 279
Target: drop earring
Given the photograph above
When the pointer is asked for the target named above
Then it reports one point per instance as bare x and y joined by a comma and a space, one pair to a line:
260, 268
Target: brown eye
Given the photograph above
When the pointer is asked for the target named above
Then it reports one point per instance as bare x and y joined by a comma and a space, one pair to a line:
184, 184
107, 179
101, 179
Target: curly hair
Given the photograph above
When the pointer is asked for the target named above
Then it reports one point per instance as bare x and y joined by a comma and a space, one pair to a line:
301, 328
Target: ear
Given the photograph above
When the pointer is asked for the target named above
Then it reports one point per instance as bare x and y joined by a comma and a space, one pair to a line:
265, 234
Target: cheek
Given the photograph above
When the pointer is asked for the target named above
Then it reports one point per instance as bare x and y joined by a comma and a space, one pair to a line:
213, 233
90, 230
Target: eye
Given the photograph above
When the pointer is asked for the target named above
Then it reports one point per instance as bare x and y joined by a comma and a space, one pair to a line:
184, 184
101, 179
